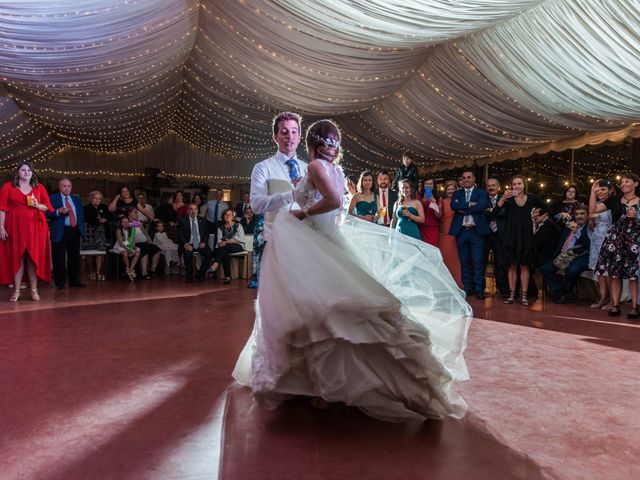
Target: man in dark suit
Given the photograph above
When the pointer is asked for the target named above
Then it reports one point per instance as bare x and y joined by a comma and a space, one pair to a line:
387, 198
66, 226
470, 227
546, 234
497, 224
575, 237
192, 236
242, 206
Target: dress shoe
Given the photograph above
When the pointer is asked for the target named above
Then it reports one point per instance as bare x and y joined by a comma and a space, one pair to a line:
200, 278
59, 286
77, 285
226, 281
480, 296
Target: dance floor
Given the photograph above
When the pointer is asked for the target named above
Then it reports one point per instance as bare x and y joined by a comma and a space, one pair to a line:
121, 381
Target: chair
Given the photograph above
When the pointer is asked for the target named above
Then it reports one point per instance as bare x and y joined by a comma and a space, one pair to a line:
90, 237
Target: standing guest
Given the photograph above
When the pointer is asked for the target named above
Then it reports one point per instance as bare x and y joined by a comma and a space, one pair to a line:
574, 239
193, 237
66, 223
351, 188
96, 217
470, 228
242, 206
387, 198
248, 221
197, 199
148, 250
123, 202
24, 236
364, 203
495, 239
126, 247
273, 180
408, 211
566, 210
214, 209
148, 214
407, 170
168, 247
460, 182
618, 257
180, 206
166, 211
230, 240
430, 229
519, 243
447, 242
599, 225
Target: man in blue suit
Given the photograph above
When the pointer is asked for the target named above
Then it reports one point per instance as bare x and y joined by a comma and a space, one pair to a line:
469, 226
66, 225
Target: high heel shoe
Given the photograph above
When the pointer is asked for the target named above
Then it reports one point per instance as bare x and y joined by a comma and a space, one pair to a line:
34, 295
131, 275
93, 276
633, 313
512, 297
15, 295
524, 300
615, 311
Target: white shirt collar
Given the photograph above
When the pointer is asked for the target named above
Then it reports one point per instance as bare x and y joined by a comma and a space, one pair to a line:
283, 158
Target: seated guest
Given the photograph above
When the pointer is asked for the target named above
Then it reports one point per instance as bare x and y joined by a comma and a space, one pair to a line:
123, 202
230, 240
166, 211
193, 236
248, 221
364, 204
546, 235
430, 229
242, 206
168, 248
407, 171
575, 239
126, 248
147, 209
147, 248
96, 217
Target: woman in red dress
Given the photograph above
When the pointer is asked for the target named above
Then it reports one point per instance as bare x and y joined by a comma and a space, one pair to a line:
433, 211
24, 233
448, 246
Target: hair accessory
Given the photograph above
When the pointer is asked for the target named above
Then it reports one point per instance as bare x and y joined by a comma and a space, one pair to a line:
326, 141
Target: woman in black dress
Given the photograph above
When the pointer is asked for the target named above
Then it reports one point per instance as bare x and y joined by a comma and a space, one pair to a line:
96, 217
618, 257
519, 243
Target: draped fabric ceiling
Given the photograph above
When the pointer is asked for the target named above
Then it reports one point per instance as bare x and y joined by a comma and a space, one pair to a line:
453, 80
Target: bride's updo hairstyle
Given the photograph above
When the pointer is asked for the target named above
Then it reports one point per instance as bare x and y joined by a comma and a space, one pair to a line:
323, 139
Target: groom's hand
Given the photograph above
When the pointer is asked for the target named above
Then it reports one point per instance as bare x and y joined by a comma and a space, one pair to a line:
299, 214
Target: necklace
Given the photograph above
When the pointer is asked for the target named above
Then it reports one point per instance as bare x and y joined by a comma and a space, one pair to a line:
626, 200
522, 201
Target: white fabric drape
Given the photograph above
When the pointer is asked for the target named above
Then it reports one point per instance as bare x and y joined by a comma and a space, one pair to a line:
455, 81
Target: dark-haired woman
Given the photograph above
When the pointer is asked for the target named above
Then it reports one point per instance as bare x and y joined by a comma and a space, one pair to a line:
230, 240
24, 233
567, 208
430, 229
408, 212
618, 257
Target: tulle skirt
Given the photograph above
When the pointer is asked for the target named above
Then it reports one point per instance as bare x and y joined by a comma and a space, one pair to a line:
361, 315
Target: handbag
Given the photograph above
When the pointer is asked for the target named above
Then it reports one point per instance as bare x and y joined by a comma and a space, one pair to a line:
563, 260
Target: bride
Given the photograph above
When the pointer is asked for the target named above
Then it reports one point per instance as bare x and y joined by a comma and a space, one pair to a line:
355, 314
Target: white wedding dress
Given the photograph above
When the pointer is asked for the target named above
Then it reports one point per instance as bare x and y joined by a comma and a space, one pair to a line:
358, 314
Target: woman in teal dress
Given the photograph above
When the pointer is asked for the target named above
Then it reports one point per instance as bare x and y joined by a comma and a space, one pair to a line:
364, 203
408, 211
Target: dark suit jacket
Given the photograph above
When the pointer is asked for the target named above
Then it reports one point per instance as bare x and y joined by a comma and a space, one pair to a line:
183, 232
56, 222
461, 208
546, 238
240, 210
498, 215
393, 198
582, 245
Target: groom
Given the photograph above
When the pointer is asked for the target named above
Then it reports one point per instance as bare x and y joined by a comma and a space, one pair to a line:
273, 179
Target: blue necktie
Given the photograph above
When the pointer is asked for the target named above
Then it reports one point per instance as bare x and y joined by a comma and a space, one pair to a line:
215, 212
294, 172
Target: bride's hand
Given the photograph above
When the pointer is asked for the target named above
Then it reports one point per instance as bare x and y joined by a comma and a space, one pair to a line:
299, 214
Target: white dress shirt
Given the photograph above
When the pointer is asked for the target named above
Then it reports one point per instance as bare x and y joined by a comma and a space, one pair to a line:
468, 220
272, 189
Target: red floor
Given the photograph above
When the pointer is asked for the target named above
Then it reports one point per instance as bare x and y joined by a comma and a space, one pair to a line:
123, 381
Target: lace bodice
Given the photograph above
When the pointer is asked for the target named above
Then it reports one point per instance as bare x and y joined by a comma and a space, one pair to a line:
306, 195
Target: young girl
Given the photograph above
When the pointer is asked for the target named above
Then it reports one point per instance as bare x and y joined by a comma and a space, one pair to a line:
167, 246
125, 246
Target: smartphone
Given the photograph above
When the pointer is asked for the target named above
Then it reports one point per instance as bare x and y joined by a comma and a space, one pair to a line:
427, 193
